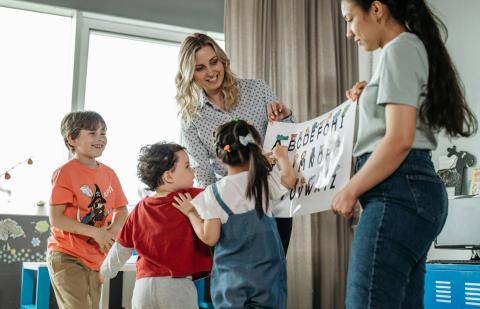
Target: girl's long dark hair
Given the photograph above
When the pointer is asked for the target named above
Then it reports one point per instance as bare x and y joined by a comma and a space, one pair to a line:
232, 152
444, 106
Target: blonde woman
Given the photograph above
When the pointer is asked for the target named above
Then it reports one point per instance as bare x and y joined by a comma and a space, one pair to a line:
209, 95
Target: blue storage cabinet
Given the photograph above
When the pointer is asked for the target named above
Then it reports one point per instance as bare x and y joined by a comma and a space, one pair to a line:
452, 286
40, 287
202, 293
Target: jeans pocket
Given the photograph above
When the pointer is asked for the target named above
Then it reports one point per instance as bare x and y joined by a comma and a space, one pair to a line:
430, 196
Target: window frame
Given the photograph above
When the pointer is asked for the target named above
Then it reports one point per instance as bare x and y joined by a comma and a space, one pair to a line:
86, 22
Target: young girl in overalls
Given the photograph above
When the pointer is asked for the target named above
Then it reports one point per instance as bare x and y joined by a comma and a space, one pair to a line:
233, 215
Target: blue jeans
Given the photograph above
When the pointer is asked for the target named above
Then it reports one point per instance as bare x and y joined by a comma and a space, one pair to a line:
401, 217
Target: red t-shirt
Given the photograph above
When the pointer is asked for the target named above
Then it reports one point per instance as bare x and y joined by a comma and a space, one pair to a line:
90, 195
164, 240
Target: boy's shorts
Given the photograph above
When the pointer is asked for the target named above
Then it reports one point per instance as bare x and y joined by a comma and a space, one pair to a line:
75, 285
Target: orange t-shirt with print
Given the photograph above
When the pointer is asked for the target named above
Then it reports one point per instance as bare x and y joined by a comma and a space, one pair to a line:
90, 195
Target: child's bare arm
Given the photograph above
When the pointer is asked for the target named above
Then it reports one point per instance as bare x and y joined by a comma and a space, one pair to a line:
119, 216
104, 238
288, 173
67, 224
207, 230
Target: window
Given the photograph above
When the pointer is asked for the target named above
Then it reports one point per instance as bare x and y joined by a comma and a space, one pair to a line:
131, 83
36, 81
55, 60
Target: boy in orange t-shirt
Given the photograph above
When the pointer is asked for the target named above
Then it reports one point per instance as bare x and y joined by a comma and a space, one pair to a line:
87, 212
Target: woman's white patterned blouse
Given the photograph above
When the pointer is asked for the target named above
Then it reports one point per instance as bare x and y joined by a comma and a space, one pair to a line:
198, 137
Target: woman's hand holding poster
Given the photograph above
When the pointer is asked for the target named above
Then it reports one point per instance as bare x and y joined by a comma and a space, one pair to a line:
321, 152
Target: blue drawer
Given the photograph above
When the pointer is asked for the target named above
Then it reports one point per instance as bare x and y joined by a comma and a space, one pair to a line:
452, 286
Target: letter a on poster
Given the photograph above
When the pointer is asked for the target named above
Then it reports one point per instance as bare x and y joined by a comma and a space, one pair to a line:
321, 152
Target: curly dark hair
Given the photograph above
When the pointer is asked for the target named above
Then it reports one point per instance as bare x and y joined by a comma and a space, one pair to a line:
156, 159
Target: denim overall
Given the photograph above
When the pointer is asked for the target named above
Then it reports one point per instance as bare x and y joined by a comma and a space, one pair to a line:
249, 269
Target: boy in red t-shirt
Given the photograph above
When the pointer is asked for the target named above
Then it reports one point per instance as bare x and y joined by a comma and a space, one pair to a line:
169, 253
87, 212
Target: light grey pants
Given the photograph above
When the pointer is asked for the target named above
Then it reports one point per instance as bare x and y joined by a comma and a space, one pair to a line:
164, 293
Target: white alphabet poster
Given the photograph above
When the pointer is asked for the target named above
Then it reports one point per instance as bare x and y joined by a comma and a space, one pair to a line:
321, 152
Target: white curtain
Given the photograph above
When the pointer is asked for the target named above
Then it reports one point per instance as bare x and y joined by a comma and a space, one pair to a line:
300, 49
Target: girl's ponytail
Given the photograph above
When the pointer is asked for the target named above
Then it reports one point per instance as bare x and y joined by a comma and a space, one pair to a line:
257, 187
445, 105
238, 143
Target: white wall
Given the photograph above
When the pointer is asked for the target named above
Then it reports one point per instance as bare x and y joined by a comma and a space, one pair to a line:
461, 19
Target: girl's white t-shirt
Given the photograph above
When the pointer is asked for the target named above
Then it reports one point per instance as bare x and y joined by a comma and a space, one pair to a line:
232, 191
